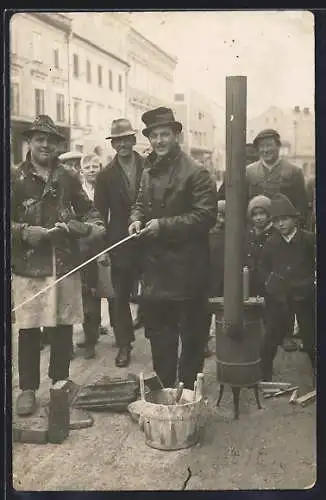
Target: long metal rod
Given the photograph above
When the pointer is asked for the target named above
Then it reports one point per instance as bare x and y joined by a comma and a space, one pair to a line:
236, 94
83, 264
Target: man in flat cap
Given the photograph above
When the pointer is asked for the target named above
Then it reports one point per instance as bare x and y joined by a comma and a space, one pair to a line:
50, 212
176, 207
116, 190
271, 174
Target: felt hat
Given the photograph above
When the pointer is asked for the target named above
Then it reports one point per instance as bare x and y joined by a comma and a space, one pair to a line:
121, 128
43, 124
281, 206
266, 134
159, 117
259, 201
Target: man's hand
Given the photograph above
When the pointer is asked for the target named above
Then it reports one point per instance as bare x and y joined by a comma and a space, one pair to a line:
33, 235
135, 227
62, 226
104, 260
152, 228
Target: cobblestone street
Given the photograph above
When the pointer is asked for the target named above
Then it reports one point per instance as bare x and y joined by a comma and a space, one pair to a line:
270, 448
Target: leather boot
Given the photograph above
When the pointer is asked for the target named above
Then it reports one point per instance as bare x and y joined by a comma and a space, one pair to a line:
26, 403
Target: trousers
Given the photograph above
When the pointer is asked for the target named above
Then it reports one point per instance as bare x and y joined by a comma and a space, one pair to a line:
165, 323
92, 316
123, 280
29, 355
279, 322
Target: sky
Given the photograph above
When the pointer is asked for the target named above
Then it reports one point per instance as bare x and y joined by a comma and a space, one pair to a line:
274, 49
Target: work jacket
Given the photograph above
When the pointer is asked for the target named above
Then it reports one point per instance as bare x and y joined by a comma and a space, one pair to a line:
182, 196
35, 202
285, 178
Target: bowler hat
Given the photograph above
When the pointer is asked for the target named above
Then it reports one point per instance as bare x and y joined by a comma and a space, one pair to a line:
266, 134
121, 128
281, 206
158, 117
43, 124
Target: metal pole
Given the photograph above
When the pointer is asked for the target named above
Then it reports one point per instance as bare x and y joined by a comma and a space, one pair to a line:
235, 221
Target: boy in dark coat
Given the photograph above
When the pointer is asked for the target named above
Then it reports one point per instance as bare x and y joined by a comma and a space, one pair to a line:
260, 229
287, 267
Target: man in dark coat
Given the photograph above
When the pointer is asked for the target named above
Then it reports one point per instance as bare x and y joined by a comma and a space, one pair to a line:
177, 207
116, 190
271, 174
49, 213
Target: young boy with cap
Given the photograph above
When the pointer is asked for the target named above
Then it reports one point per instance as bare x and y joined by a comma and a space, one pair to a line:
287, 266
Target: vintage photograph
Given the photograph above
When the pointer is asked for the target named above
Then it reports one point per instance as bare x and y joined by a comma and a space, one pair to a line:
163, 250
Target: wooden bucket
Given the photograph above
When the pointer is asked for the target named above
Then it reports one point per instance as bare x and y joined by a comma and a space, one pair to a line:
238, 361
169, 426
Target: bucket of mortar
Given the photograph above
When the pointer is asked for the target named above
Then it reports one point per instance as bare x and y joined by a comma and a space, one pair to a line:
170, 426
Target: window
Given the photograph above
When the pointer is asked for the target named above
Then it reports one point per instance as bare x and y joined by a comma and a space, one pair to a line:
36, 46
60, 108
88, 115
39, 102
56, 61
179, 97
99, 75
110, 80
14, 101
76, 111
88, 72
76, 65
120, 83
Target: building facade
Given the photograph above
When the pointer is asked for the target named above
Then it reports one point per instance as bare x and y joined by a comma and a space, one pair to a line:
39, 74
98, 73
297, 129
150, 80
200, 135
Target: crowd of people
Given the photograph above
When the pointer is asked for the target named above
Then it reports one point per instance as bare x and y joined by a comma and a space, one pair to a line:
174, 261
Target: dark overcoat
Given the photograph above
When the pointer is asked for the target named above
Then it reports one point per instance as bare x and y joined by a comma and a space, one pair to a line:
182, 196
114, 201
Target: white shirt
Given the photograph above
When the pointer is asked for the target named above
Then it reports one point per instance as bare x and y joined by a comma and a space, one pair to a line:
290, 237
89, 189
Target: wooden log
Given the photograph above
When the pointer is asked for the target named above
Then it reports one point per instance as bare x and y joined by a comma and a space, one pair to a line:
310, 397
58, 421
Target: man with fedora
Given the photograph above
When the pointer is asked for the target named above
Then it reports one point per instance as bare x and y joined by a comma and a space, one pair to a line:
176, 207
116, 190
49, 213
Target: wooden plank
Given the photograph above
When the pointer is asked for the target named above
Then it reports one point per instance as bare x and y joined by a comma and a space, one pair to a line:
310, 397
294, 397
276, 385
